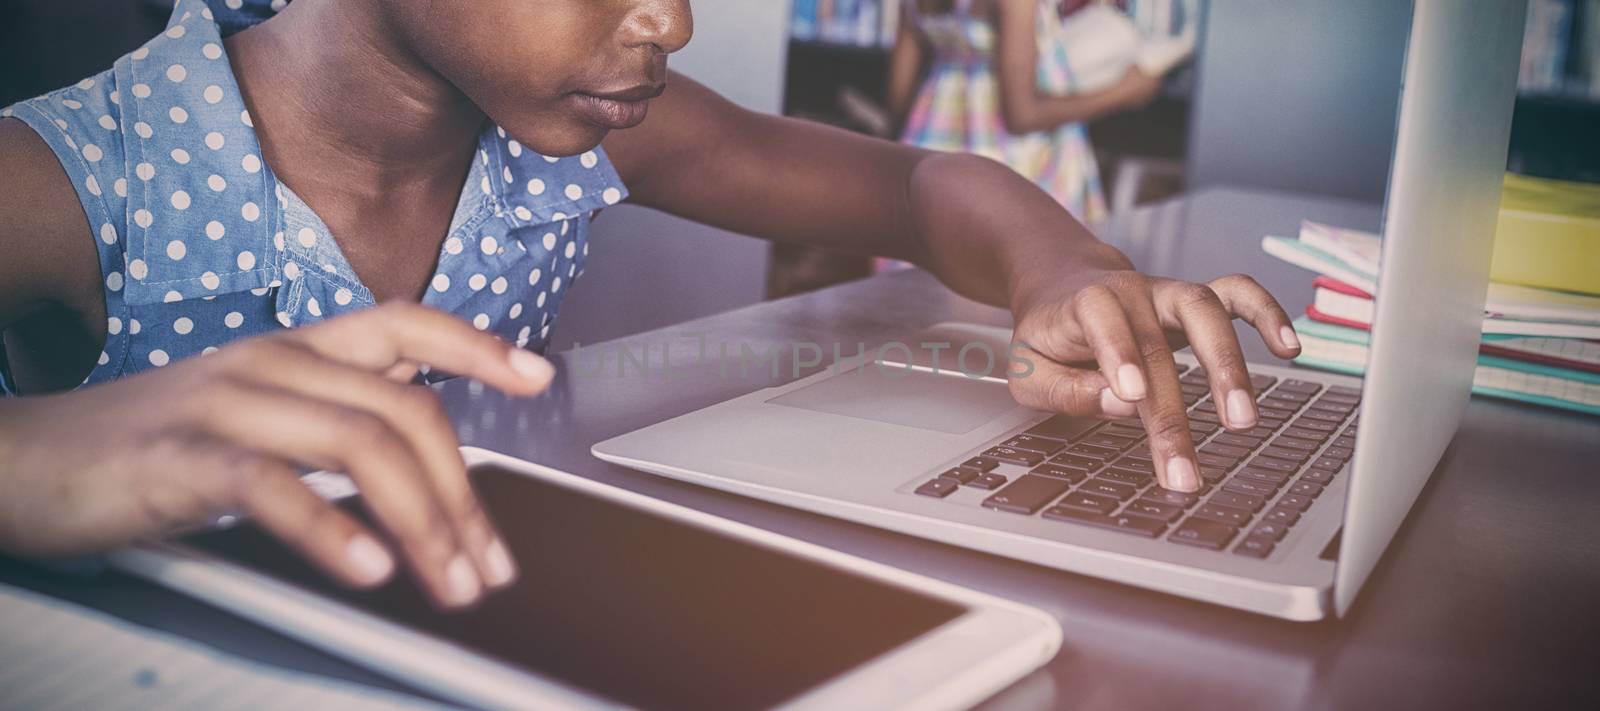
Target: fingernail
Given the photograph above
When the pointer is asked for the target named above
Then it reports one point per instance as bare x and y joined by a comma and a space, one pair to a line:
461, 583
1181, 475
1289, 338
530, 366
1241, 410
501, 569
1111, 405
371, 563
1131, 380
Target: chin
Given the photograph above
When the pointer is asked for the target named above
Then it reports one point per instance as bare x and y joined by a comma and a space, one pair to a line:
572, 139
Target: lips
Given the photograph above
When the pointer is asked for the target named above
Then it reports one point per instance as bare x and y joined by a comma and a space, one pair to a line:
617, 109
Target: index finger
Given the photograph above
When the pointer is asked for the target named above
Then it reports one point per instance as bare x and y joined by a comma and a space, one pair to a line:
380, 338
1165, 418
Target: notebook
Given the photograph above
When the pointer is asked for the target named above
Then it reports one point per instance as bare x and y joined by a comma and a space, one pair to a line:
1341, 304
1344, 350
1347, 255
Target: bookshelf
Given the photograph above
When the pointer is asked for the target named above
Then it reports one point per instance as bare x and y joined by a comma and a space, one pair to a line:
1558, 95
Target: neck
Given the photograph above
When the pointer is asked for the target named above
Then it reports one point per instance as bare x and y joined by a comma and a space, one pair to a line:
340, 105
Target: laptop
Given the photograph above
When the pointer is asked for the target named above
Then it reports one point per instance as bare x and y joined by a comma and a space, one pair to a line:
1294, 514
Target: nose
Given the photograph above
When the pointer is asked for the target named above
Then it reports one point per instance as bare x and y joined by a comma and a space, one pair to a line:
665, 24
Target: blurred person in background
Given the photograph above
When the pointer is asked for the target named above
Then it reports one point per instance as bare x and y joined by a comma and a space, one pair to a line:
992, 77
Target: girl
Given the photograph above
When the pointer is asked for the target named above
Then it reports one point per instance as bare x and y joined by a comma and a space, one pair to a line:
997, 85
254, 195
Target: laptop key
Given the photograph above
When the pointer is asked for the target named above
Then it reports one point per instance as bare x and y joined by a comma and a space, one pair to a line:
1205, 417
1345, 390
1201, 429
1286, 453
1282, 516
1212, 475
1077, 462
1328, 463
1338, 452
1203, 533
1027, 494
1071, 475
1119, 429
1225, 450
1270, 476
1278, 465
1208, 406
1251, 488
962, 475
1260, 382
1268, 529
1300, 386
1107, 487
1027, 458
1333, 406
1175, 498
1237, 440
1044, 446
1101, 439
1298, 398
1276, 413
1212, 460
1298, 502
1345, 441
1137, 525
981, 464
1271, 423
1318, 476
1323, 415
1087, 502
1306, 488
1252, 547
1154, 509
1304, 445
1133, 464
1224, 514
1237, 500
1064, 427
989, 480
1104, 454
1314, 424
938, 488
1131, 478
1301, 433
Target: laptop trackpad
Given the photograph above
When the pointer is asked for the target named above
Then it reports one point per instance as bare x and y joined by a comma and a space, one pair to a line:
947, 402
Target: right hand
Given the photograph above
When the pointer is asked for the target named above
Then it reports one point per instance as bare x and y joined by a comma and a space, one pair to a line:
1137, 89
102, 466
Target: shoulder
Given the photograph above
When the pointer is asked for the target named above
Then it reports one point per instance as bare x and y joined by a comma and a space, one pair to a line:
46, 249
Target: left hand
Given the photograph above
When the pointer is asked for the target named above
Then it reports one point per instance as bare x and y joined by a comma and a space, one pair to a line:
1101, 344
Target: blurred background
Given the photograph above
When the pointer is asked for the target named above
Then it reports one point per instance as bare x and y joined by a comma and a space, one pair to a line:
1286, 95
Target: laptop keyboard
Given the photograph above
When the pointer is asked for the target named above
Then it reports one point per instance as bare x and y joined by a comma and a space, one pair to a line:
1256, 484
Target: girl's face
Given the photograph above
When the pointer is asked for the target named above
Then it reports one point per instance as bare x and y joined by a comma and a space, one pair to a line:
557, 75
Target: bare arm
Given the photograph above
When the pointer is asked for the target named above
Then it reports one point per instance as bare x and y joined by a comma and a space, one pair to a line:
986, 232
1023, 108
233, 429
906, 67
47, 253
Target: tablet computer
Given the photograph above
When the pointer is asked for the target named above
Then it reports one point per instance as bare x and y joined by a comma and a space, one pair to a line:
624, 600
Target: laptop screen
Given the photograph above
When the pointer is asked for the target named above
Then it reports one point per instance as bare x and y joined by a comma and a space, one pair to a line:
635, 606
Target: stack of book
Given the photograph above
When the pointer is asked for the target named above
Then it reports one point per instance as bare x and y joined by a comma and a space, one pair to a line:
1539, 346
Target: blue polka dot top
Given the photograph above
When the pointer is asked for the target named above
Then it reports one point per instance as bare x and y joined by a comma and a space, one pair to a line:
200, 244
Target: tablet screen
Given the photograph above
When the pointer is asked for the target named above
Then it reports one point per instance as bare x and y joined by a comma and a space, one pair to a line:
637, 607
